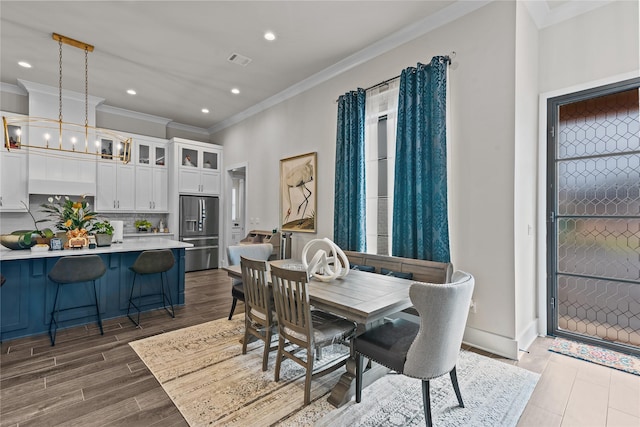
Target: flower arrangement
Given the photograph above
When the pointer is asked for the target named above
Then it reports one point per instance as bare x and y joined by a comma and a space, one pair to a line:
70, 215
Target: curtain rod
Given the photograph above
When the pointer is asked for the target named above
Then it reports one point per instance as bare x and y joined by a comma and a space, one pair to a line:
448, 58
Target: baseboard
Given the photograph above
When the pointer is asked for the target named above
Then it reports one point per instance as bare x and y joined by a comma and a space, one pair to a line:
502, 346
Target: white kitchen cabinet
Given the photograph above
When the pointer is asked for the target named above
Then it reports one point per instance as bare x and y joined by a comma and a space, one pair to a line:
151, 189
198, 168
13, 180
115, 190
152, 176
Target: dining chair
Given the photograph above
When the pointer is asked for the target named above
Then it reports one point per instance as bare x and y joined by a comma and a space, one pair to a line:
259, 251
302, 329
259, 317
425, 351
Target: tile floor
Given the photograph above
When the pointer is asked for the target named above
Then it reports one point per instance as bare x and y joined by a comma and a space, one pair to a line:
573, 392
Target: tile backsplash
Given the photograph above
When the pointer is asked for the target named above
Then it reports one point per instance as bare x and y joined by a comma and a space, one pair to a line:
11, 221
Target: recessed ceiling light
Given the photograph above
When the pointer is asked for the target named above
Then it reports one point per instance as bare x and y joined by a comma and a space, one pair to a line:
24, 64
131, 91
205, 110
235, 91
269, 36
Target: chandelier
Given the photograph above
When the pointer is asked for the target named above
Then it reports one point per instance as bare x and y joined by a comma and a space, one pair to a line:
59, 136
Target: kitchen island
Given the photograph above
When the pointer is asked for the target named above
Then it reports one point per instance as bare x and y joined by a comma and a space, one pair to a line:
26, 298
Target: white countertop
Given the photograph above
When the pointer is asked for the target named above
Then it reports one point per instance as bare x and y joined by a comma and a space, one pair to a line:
132, 245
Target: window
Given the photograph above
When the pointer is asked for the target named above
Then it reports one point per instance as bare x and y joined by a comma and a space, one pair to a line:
380, 148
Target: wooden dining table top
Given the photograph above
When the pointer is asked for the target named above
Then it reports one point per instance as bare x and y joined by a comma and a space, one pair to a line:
359, 296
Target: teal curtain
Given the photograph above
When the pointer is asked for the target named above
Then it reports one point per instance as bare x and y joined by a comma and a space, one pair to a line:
349, 231
420, 223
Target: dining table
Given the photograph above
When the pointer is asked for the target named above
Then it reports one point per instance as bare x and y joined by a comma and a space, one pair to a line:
363, 297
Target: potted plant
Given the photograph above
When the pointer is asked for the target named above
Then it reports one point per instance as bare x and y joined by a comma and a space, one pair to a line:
103, 232
142, 225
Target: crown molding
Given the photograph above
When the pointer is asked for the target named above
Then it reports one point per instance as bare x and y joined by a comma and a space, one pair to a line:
54, 91
132, 114
9, 88
407, 34
544, 16
188, 128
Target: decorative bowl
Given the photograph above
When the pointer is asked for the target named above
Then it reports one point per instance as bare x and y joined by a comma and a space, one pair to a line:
12, 241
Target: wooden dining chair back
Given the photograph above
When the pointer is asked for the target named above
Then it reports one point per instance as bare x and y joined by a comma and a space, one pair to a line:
259, 311
425, 351
302, 329
259, 251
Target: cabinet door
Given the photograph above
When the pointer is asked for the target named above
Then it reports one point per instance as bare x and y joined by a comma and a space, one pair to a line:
144, 188
160, 189
106, 190
210, 182
189, 180
13, 182
126, 191
210, 160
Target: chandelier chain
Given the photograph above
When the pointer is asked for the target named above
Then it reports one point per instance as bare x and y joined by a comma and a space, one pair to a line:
60, 80
86, 87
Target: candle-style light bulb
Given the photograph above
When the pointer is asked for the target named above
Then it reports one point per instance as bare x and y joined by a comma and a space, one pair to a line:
46, 138
18, 133
73, 141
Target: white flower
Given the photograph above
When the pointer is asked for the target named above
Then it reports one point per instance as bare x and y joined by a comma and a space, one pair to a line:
50, 199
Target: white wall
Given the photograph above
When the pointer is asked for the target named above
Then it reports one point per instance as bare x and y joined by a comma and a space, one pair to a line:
594, 49
525, 182
482, 108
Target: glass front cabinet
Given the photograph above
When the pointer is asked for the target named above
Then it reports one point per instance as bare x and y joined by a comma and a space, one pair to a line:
152, 176
199, 167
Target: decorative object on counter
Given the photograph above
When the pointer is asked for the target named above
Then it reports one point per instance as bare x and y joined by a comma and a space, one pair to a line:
103, 231
118, 231
77, 238
323, 267
142, 225
70, 215
56, 244
40, 247
25, 239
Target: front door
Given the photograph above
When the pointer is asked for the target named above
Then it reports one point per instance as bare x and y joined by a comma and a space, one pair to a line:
594, 216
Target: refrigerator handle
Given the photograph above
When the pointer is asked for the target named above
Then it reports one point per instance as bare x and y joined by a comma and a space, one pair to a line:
199, 214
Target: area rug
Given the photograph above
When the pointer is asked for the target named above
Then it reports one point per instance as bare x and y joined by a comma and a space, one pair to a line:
202, 370
595, 354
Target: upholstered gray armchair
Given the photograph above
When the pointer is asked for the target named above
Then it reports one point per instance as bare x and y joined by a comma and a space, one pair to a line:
257, 251
424, 351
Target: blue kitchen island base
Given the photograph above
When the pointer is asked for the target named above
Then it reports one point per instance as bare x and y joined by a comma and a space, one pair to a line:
26, 298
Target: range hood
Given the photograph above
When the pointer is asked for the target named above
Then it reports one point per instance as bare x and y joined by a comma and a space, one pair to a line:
61, 187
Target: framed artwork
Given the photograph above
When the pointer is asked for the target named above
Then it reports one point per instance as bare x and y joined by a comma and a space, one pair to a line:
298, 193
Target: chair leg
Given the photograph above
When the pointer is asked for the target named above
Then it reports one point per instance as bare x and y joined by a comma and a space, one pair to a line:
359, 369
456, 387
267, 346
279, 357
167, 295
95, 294
52, 336
233, 307
245, 340
426, 402
137, 323
309, 376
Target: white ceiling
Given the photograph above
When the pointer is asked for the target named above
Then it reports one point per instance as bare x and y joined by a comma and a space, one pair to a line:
174, 53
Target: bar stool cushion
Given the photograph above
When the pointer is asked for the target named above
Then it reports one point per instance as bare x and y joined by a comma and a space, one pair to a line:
76, 269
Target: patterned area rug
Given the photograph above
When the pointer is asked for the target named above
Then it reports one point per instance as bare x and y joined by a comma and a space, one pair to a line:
594, 354
203, 371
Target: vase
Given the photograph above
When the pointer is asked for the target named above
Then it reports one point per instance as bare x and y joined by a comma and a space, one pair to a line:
12, 241
103, 239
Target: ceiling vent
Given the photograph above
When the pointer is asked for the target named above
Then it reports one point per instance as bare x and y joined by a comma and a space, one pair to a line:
236, 58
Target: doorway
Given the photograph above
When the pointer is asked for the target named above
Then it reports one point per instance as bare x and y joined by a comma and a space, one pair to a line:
236, 190
593, 212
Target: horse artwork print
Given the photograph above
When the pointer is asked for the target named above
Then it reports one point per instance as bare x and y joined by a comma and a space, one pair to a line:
298, 193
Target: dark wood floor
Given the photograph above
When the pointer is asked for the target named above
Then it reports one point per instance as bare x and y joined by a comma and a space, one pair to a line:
89, 379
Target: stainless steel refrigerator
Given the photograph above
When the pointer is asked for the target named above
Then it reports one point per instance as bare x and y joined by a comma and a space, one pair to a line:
199, 226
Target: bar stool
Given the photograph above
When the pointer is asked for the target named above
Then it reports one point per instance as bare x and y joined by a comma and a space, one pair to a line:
75, 269
152, 262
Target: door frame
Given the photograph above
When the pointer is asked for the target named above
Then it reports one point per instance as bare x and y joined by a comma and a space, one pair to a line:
227, 210
541, 199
